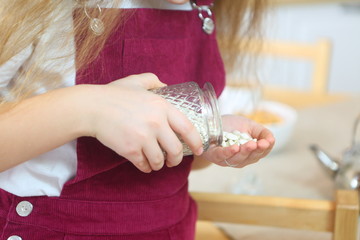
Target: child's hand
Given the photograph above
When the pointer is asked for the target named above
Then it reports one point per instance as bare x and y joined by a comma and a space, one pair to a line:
140, 125
250, 152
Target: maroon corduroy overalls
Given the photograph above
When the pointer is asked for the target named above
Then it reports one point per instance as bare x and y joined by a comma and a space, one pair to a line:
110, 199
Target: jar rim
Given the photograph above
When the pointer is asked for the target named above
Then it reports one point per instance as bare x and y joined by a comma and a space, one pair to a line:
209, 92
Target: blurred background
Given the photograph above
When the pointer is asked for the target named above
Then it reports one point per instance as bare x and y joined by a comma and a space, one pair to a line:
305, 87
311, 21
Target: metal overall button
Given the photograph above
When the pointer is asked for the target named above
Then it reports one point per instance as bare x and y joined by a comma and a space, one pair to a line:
24, 209
208, 24
14, 237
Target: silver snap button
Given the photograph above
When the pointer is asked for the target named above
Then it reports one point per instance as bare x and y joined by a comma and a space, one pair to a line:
24, 208
14, 238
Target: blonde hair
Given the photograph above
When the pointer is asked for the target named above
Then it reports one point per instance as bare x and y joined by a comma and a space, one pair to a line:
23, 25
237, 22
24, 22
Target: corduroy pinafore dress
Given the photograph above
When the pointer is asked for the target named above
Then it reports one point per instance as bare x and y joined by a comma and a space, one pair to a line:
109, 198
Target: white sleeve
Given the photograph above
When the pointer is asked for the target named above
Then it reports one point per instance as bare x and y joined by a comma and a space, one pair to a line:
52, 52
9, 69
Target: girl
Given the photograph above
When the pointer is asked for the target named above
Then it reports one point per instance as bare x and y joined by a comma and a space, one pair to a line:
82, 139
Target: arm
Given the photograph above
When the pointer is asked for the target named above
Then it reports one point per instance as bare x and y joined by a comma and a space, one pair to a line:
123, 115
39, 124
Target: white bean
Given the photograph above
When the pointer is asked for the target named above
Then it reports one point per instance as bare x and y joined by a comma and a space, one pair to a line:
236, 137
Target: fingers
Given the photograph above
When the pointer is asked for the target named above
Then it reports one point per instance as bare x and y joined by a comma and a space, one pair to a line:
239, 156
166, 139
259, 132
172, 147
217, 155
186, 130
149, 81
267, 136
263, 149
154, 154
159, 147
167, 150
143, 165
143, 80
264, 145
170, 123
250, 152
139, 160
242, 157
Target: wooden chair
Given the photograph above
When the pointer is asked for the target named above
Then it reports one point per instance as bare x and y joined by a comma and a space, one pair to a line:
318, 54
340, 217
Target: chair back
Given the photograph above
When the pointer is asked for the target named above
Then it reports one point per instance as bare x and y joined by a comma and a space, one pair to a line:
317, 54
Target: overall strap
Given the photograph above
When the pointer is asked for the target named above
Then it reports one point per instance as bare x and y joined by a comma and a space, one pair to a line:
205, 14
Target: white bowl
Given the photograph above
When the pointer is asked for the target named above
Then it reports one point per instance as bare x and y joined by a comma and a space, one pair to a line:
283, 130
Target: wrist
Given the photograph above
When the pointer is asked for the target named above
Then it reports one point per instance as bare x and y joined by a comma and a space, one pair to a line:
84, 98
199, 163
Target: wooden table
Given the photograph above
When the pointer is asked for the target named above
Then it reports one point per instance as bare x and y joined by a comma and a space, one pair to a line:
292, 172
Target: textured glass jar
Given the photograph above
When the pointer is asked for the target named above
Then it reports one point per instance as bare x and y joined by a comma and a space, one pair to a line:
201, 108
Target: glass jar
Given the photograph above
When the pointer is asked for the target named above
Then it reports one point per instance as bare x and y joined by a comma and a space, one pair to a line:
201, 108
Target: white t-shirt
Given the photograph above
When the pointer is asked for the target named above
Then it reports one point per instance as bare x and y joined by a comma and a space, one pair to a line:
47, 173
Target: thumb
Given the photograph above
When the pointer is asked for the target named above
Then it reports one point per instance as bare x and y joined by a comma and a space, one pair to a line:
145, 80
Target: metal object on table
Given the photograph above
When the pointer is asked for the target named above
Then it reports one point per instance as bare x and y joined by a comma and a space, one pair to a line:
346, 172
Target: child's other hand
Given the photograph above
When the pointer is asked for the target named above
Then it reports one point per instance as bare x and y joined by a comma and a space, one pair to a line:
248, 153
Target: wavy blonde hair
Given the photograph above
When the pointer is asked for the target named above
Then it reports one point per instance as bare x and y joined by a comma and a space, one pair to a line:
23, 22
238, 22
